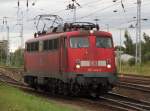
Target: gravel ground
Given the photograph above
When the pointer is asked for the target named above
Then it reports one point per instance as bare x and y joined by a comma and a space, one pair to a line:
80, 104
14, 74
83, 106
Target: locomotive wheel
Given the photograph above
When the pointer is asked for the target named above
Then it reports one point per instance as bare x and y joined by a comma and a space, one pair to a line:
34, 84
94, 91
94, 95
65, 89
60, 87
75, 89
52, 87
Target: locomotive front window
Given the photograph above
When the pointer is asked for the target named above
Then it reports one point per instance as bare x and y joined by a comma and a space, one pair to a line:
103, 42
79, 42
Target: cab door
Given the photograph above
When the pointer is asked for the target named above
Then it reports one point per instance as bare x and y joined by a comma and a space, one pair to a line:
62, 55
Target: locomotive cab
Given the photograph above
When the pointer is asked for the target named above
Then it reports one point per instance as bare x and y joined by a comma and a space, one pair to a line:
92, 59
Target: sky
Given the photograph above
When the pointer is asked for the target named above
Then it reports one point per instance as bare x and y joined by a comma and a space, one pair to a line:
111, 15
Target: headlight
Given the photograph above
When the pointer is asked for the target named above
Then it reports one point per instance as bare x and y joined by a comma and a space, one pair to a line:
108, 66
78, 66
91, 31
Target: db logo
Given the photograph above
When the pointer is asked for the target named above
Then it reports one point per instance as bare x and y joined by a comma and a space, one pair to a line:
93, 63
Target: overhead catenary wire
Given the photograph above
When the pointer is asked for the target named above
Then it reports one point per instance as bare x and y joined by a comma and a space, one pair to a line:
98, 10
102, 14
79, 9
83, 5
122, 4
90, 2
81, 17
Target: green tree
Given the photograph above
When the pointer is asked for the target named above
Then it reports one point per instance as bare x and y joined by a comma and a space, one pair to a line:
146, 42
17, 58
120, 47
129, 46
3, 55
146, 48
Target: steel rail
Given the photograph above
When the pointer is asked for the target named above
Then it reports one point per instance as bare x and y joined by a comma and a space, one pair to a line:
139, 87
127, 102
119, 104
134, 76
12, 82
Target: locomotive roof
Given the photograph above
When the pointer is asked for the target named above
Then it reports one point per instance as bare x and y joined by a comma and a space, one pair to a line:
70, 33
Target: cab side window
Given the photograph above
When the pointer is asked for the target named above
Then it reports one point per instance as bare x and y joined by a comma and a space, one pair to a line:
50, 44
33, 46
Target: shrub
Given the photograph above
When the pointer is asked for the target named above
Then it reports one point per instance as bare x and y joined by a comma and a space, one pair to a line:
146, 57
131, 61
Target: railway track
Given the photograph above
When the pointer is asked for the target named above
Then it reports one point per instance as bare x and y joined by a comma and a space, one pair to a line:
12, 68
110, 100
144, 80
14, 73
134, 86
135, 75
12, 82
126, 103
7, 79
134, 82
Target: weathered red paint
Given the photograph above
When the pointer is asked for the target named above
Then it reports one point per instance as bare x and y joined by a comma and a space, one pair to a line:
64, 60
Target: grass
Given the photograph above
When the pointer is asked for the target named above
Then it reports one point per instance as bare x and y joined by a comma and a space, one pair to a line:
13, 99
143, 69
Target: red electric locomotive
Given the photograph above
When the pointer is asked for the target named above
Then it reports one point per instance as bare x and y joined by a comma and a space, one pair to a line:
76, 61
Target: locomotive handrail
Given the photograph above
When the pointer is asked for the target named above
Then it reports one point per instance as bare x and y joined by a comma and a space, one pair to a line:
80, 25
88, 23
